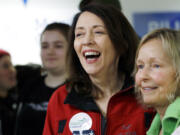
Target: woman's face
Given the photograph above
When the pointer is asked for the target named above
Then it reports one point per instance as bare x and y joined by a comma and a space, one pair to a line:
93, 45
155, 77
53, 50
7, 73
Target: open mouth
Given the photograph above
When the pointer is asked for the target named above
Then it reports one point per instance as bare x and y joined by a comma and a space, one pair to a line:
149, 88
92, 55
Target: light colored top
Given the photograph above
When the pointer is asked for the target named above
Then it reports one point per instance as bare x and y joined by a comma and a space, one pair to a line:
170, 122
177, 131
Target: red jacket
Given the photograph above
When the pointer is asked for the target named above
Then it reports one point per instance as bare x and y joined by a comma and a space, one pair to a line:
124, 115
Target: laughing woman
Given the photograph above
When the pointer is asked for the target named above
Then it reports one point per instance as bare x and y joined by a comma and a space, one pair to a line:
98, 98
158, 78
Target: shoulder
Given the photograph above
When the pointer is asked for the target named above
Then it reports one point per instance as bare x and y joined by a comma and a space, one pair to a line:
27, 72
31, 87
61, 91
59, 95
56, 106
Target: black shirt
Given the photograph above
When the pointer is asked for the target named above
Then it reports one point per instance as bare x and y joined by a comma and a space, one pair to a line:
34, 98
8, 109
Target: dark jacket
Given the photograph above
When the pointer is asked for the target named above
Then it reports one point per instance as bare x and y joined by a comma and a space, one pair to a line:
8, 110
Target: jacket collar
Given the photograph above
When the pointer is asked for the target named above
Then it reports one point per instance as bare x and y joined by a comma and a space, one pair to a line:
81, 102
87, 103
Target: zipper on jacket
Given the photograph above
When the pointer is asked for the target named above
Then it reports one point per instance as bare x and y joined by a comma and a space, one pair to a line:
100, 128
103, 125
107, 114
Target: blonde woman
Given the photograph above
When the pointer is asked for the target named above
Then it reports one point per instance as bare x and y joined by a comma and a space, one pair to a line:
157, 76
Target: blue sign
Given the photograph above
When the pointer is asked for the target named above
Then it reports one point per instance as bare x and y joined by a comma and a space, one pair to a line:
146, 22
25, 2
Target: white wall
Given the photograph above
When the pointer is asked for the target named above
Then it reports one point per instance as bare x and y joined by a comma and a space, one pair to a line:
21, 25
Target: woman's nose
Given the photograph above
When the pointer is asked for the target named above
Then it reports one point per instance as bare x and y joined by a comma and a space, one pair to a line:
12, 69
88, 39
51, 49
144, 74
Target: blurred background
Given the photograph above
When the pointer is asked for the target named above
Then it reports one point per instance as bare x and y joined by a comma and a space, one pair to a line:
22, 21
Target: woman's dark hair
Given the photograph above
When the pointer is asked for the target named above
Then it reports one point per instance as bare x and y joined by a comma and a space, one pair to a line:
122, 35
62, 27
115, 3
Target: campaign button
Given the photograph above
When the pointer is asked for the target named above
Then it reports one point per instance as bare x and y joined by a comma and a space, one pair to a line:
80, 121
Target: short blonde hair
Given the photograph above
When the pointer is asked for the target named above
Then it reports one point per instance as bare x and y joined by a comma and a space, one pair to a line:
171, 44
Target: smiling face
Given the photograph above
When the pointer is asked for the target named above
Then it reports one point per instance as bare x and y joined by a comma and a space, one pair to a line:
7, 73
53, 50
93, 45
155, 74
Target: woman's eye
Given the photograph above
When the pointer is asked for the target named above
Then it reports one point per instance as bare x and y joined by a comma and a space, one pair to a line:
140, 66
59, 46
44, 46
156, 66
99, 32
6, 65
78, 34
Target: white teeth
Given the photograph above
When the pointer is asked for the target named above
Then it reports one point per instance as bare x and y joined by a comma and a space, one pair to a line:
147, 88
91, 53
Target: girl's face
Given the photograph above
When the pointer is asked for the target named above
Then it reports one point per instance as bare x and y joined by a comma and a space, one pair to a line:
155, 76
53, 50
7, 73
93, 45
